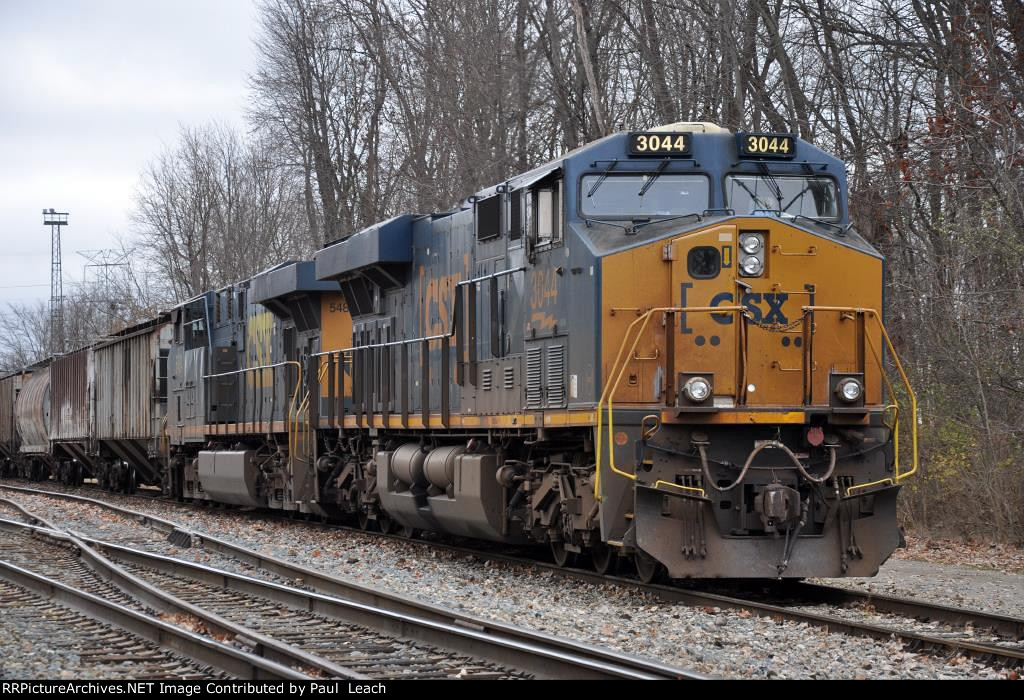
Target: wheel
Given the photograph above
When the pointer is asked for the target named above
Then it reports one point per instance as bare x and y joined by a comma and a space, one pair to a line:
604, 558
648, 568
410, 533
364, 520
562, 556
387, 525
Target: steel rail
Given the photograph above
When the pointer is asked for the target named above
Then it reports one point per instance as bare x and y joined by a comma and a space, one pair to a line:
537, 653
815, 593
201, 649
538, 659
264, 646
99, 646
326, 583
836, 595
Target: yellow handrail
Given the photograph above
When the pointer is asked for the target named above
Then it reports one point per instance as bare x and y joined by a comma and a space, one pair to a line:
293, 439
897, 476
292, 405
612, 386
639, 325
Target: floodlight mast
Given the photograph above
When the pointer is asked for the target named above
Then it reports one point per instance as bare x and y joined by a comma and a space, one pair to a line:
56, 220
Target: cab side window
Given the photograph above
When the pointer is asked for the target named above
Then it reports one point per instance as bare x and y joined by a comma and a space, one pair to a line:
515, 215
488, 218
194, 325
545, 212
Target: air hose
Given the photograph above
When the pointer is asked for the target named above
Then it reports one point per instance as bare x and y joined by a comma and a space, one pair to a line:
750, 460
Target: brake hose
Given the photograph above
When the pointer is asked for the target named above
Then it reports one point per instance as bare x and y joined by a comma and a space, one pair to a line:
750, 459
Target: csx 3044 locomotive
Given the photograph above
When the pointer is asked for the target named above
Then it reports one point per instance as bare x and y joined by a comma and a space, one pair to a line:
665, 347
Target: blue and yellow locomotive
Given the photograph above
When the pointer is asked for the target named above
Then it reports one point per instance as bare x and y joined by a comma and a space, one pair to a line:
665, 347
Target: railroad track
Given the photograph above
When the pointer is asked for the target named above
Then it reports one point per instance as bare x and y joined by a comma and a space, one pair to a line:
96, 615
326, 635
1004, 646
102, 648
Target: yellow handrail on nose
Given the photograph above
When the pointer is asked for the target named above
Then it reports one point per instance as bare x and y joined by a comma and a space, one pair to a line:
636, 329
897, 476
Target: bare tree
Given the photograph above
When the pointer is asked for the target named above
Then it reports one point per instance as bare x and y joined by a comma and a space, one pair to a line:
213, 210
363, 109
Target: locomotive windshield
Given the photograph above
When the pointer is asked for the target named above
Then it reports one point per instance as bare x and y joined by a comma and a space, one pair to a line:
794, 195
643, 194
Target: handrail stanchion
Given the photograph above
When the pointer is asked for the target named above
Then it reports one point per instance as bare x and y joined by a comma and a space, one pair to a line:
741, 342
344, 388
861, 334
425, 382
273, 399
445, 381
808, 330
331, 386
670, 358
404, 384
386, 371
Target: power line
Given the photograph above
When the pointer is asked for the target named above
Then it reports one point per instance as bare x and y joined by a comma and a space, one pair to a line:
103, 263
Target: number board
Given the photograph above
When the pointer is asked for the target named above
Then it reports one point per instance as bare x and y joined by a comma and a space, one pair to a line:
766, 145
665, 143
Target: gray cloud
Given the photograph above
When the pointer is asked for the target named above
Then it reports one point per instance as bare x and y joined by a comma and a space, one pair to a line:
90, 91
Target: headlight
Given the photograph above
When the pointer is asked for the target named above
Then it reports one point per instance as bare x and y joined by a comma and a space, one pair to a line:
751, 266
750, 243
697, 389
849, 390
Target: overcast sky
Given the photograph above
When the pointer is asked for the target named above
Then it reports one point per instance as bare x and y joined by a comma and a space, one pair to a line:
90, 91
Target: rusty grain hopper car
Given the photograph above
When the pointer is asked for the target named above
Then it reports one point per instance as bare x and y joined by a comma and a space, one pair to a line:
95, 412
664, 348
32, 421
129, 402
10, 387
71, 415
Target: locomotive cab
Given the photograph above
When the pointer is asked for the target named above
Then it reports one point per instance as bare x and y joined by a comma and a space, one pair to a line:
747, 426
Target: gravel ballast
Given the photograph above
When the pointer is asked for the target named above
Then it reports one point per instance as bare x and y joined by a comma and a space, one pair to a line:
720, 642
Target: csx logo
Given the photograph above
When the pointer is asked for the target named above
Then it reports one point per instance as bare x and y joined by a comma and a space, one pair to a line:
763, 307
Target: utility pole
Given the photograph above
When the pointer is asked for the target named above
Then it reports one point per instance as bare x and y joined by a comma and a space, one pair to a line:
55, 220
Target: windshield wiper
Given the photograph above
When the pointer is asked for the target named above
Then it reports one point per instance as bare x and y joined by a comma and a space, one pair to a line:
753, 195
657, 174
772, 183
667, 218
600, 180
588, 221
842, 229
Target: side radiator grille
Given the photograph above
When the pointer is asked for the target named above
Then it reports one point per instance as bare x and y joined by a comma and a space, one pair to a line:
534, 397
556, 376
